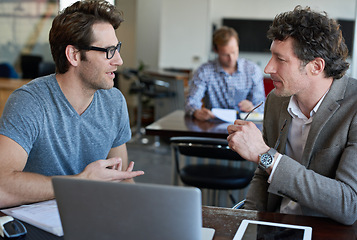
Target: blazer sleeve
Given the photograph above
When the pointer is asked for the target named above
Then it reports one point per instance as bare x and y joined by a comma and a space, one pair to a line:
327, 184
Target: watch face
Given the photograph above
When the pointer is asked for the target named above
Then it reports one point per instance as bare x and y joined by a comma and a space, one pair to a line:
266, 159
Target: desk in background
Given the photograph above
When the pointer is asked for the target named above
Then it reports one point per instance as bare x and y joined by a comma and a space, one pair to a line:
177, 82
178, 124
7, 86
226, 221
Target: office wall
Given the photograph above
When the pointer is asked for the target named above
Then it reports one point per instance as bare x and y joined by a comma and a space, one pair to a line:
148, 26
185, 28
127, 34
182, 33
269, 9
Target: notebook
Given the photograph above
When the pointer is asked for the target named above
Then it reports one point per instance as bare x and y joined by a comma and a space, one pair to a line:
107, 210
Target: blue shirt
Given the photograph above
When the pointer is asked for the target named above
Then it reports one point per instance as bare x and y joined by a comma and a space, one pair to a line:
57, 139
219, 89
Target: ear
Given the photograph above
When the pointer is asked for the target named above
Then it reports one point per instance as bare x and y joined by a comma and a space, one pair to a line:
73, 55
317, 66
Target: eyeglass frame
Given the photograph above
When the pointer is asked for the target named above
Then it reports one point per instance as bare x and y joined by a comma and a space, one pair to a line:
106, 50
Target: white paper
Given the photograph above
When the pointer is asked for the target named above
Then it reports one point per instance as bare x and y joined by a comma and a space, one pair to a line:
207, 233
227, 115
254, 116
43, 215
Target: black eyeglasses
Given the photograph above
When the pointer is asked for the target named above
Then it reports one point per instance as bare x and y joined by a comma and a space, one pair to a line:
109, 50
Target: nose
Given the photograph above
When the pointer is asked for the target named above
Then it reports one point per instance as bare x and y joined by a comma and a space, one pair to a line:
117, 60
269, 68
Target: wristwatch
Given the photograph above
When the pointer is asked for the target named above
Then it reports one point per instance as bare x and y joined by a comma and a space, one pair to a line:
266, 159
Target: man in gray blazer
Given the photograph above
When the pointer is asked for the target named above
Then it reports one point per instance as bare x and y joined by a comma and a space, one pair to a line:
307, 155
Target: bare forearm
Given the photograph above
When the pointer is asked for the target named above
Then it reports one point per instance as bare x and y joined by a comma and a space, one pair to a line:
24, 187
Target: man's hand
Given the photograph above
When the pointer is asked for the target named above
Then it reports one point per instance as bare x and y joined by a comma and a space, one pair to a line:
245, 105
247, 140
203, 114
109, 170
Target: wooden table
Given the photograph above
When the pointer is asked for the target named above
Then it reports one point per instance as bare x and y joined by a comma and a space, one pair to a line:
7, 86
226, 221
177, 124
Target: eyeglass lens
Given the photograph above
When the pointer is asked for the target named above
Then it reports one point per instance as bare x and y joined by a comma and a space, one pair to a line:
111, 50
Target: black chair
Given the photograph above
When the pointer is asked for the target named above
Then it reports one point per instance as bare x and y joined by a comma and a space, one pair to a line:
46, 68
8, 71
30, 66
214, 176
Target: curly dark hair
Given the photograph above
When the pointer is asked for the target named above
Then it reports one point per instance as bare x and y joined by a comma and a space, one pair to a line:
73, 26
315, 35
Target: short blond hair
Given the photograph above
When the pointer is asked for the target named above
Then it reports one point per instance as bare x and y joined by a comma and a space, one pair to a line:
222, 35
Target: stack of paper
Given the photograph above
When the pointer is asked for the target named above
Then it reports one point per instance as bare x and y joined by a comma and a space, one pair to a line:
43, 215
230, 115
254, 116
227, 115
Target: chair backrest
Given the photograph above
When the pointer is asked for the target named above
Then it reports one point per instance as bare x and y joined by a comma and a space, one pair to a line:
205, 147
46, 68
30, 66
8, 71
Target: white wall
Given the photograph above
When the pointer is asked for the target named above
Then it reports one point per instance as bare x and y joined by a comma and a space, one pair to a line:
148, 27
184, 33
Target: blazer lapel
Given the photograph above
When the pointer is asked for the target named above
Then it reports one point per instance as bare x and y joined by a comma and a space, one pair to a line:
284, 116
326, 110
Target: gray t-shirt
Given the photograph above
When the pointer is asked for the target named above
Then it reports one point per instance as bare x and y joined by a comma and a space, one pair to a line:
57, 139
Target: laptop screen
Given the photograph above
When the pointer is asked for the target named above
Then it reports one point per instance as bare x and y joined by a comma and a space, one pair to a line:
108, 210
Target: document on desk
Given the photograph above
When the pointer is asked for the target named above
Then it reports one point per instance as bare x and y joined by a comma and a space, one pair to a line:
254, 116
227, 115
43, 215
230, 115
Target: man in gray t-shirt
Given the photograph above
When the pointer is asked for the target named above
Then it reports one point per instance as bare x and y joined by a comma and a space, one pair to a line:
73, 122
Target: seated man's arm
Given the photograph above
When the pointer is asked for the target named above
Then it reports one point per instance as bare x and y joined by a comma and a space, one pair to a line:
257, 93
18, 187
203, 114
197, 88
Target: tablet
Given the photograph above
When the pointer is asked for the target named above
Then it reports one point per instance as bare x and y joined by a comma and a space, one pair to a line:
254, 230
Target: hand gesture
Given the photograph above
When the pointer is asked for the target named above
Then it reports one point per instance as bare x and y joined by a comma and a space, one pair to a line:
109, 170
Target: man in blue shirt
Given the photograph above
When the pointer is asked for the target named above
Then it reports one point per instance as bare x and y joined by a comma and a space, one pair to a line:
227, 82
69, 123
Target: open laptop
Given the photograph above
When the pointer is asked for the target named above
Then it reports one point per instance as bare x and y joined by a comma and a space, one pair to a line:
107, 210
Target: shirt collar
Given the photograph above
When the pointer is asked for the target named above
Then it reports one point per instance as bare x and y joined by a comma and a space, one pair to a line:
221, 70
295, 112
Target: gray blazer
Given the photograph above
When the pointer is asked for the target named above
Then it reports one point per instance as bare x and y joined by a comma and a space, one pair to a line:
324, 183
